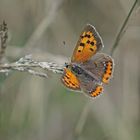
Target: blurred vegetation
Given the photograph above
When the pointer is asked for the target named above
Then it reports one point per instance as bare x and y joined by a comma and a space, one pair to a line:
34, 108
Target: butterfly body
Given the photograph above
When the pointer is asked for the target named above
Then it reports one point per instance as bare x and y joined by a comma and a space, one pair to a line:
88, 70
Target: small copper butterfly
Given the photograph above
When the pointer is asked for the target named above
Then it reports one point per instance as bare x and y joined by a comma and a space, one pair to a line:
88, 69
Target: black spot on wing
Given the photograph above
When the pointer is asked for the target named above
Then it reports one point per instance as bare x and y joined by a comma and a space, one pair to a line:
82, 44
92, 43
91, 49
88, 36
88, 41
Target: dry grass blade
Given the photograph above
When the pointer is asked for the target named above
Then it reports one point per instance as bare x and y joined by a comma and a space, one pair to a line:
122, 30
3, 38
27, 64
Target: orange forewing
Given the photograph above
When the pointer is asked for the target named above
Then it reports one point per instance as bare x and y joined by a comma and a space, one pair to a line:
89, 43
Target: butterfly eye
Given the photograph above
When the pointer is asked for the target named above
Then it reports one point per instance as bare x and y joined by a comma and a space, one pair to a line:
66, 65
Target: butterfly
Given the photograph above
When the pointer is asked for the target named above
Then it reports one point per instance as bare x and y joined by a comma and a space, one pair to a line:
88, 69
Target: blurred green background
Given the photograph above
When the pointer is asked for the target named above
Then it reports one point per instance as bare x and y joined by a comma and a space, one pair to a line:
35, 108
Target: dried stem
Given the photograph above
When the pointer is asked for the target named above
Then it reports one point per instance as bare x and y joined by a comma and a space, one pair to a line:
3, 39
27, 64
122, 29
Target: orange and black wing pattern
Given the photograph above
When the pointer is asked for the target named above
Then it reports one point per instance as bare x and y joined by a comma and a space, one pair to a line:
97, 91
90, 86
101, 66
89, 43
70, 80
109, 66
86, 73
